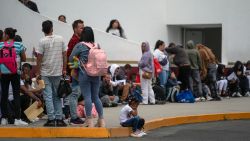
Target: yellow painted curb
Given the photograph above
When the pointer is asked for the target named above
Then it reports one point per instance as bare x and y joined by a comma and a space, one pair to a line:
81, 132
43, 132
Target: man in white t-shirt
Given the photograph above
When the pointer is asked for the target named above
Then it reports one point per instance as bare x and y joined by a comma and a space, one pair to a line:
51, 65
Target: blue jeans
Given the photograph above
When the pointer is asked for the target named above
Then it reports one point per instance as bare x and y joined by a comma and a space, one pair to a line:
195, 78
90, 89
163, 76
73, 98
136, 123
52, 102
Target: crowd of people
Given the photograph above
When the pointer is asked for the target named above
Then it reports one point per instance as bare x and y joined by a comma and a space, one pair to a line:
198, 72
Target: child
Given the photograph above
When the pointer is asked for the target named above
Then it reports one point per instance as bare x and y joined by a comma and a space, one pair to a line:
129, 117
221, 80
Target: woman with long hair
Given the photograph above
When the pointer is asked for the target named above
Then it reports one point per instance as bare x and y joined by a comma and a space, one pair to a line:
115, 28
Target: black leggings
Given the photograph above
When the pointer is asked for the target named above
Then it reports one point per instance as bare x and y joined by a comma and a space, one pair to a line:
184, 74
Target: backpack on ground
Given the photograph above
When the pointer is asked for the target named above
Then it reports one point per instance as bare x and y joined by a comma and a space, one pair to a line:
185, 96
159, 93
97, 64
172, 92
8, 64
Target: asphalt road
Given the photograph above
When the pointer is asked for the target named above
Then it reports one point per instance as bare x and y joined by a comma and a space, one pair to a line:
238, 130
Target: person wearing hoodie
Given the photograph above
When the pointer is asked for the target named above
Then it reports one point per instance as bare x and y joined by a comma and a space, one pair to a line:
209, 69
146, 67
195, 64
182, 61
118, 82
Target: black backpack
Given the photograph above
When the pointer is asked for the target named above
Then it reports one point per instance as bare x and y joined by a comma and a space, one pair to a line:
159, 93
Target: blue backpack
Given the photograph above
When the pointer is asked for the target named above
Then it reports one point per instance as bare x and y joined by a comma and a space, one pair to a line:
185, 97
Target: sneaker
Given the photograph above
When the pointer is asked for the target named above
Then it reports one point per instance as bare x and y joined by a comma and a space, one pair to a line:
50, 123
247, 94
209, 98
143, 133
76, 121
19, 122
203, 99
234, 94
198, 99
60, 123
136, 134
4, 121
238, 95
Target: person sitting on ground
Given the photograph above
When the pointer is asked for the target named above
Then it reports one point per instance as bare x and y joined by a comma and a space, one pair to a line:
238, 82
129, 117
120, 86
62, 18
124, 73
247, 72
27, 92
221, 80
115, 29
107, 96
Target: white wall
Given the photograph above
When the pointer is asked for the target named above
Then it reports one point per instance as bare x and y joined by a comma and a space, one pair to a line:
232, 14
141, 19
28, 24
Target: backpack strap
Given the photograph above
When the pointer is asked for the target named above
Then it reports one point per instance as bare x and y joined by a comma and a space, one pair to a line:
11, 44
91, 45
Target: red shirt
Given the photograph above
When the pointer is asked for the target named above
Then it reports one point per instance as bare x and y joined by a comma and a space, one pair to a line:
73, 41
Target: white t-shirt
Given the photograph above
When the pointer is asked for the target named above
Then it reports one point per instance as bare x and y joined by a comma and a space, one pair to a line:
51, 47
160, 56
125, 113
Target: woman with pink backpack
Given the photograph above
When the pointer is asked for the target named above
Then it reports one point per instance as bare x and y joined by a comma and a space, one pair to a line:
90, 55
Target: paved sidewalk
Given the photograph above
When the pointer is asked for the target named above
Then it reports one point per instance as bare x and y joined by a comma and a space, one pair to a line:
151, 112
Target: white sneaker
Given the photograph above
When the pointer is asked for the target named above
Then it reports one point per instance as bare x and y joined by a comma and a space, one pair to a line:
203, 99
234, 94
247, 94
198, 99
143, 133
239, 95
136, 134
209, 98
4, 121
19, 122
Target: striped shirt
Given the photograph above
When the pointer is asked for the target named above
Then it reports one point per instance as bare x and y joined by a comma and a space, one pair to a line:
19, 50
52, 48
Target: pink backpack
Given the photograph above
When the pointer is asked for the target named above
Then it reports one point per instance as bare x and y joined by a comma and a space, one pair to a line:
8, 64
97, 64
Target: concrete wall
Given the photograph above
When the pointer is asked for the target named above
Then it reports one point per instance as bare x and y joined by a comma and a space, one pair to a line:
28, 24
141, 19
232, 14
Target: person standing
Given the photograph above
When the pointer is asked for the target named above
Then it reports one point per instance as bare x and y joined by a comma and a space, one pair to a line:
195, 63
181, 60
77, 26
162, 57
146, 67
51, 65
209, 69
11, 76
89, 84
